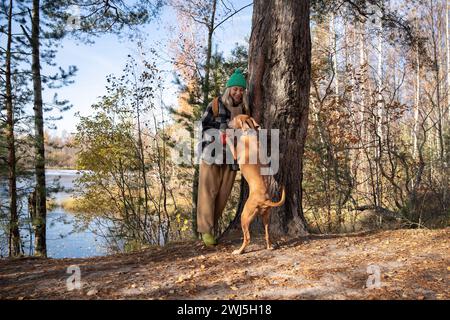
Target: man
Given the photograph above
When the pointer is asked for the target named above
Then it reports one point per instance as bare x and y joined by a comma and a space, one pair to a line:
216, 180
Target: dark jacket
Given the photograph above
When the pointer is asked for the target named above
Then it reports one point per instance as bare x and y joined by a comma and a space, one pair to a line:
209, 121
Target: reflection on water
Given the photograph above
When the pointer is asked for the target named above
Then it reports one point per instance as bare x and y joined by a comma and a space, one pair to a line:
64, 237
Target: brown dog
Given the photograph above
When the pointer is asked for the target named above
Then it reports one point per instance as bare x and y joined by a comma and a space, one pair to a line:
258, 201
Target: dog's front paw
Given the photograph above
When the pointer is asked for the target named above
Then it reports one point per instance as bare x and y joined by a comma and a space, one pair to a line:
237, 251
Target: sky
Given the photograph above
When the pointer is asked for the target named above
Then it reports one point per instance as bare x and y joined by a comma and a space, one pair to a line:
108, 55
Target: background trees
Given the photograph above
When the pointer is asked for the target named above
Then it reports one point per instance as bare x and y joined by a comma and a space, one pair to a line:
33, 30
358, 89
376, 107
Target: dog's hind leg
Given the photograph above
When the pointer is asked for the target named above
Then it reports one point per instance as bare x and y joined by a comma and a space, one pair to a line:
246, 218
266, 220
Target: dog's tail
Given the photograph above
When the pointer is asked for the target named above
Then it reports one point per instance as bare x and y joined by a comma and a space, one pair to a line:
279, 203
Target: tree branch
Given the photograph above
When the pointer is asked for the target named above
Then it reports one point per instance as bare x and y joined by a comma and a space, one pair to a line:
228, 17
25, 33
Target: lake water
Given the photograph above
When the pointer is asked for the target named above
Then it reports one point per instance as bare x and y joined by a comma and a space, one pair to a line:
64, 240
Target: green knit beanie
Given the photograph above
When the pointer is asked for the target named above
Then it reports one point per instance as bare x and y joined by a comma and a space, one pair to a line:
237, 79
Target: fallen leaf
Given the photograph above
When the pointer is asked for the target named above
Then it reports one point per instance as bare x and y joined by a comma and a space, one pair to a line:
92, 292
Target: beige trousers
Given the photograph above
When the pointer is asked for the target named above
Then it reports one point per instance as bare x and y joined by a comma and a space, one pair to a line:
214, 187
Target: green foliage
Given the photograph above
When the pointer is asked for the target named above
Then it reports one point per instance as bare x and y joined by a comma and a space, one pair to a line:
124, 148
96, 18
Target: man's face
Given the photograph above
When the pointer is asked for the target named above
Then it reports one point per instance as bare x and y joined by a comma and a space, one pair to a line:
236, 94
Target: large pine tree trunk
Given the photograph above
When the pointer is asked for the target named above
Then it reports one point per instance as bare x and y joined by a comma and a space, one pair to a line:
41, 192
279, 84
14, 234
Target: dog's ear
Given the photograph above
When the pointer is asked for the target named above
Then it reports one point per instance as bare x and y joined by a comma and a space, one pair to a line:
245, 125
240, 123
248, 124
255, 124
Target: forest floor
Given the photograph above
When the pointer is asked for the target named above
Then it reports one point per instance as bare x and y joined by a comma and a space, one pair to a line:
412, 264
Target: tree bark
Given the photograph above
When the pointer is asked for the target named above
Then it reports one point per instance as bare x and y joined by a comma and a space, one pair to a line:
142, 163
279, 85
379, 114
41, 192
363, 71
416, 103
14, 234
194, 232
211, 27
334, 51
447, 47
435, 43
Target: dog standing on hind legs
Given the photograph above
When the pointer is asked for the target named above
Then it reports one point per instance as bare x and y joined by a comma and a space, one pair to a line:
258, 201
